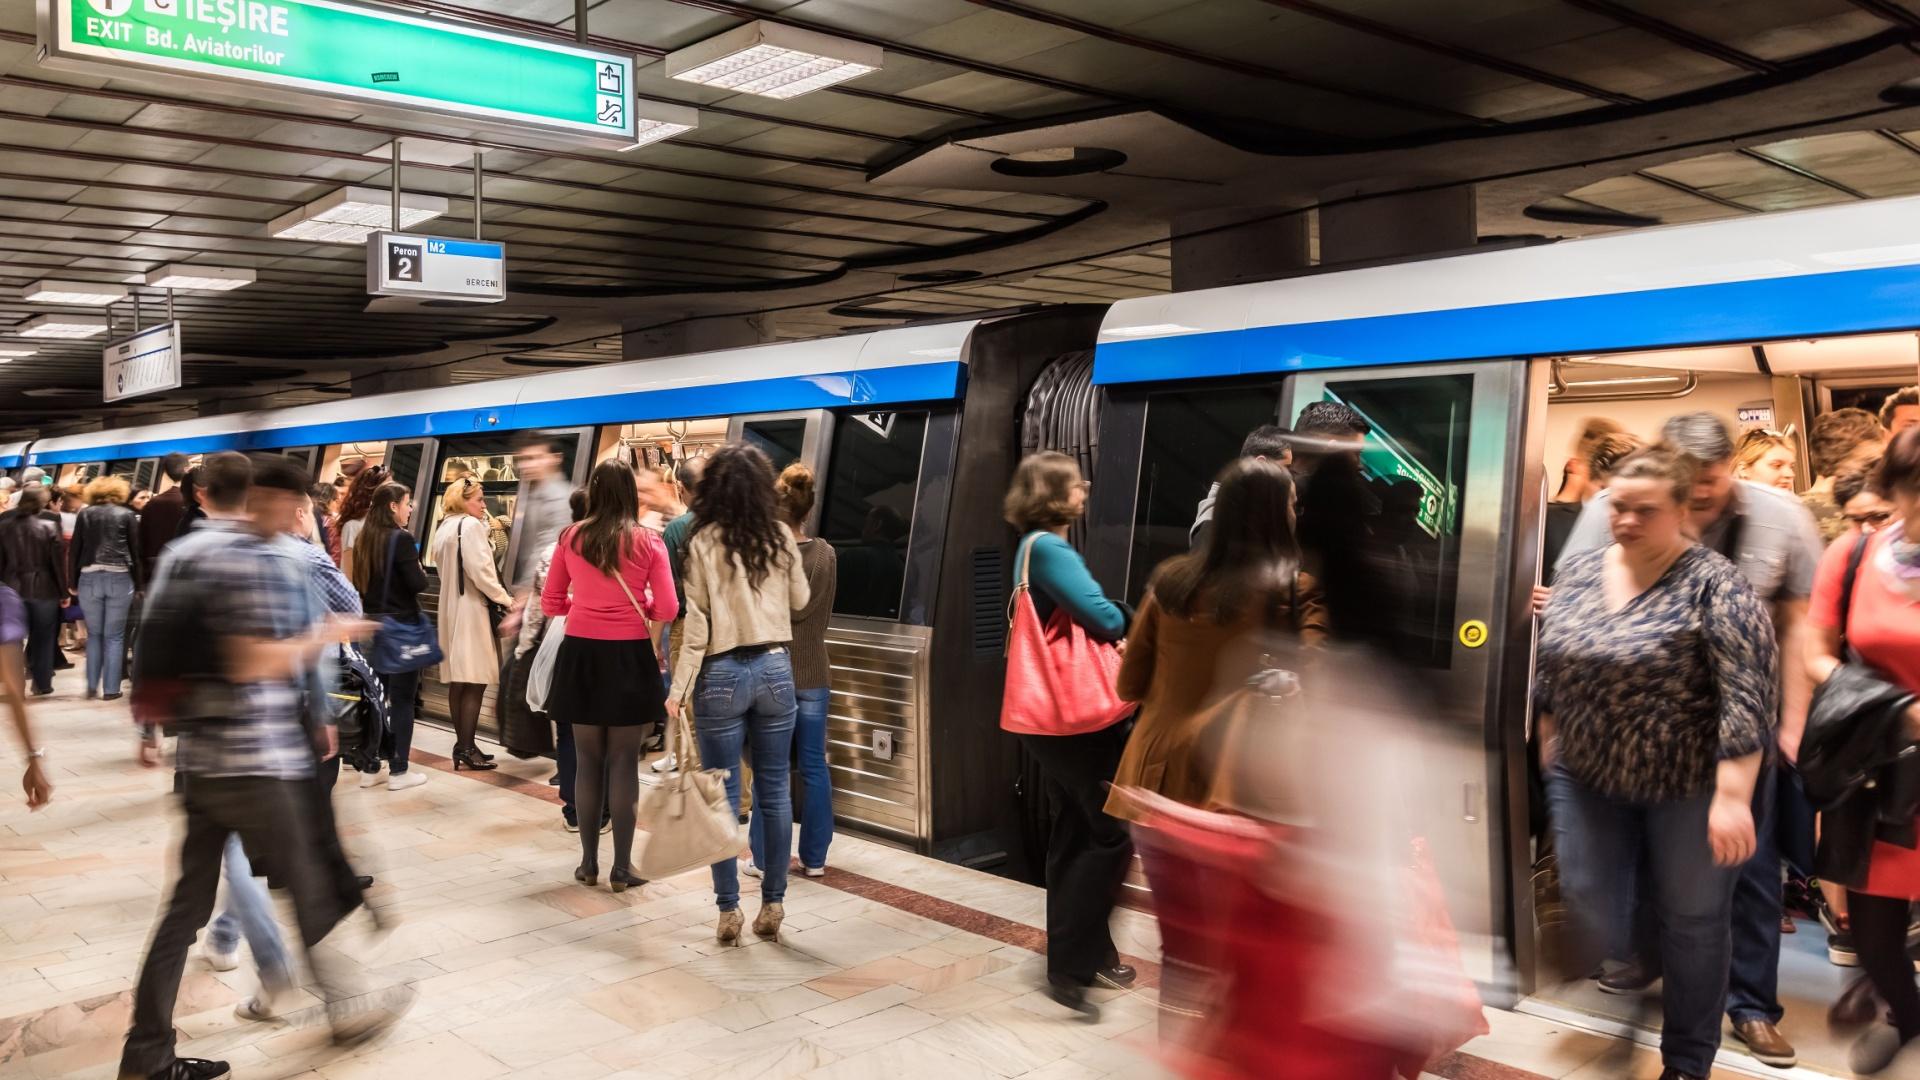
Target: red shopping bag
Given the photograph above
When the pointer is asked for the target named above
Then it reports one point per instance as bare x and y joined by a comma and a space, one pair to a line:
1059, 680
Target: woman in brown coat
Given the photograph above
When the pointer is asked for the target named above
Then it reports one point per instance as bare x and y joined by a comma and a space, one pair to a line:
1232, 608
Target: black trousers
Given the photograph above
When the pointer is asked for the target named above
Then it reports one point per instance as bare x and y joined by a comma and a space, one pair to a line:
271, 816
1088, 852
43, 642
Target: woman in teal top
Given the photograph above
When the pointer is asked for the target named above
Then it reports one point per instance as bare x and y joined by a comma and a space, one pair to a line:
1088, 852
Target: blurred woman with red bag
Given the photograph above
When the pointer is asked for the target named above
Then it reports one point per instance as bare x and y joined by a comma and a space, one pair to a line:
1060, 701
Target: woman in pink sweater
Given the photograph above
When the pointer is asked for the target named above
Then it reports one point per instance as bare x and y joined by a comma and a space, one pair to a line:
610, 578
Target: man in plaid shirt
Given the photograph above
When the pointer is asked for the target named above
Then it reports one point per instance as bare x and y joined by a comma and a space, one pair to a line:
246, 758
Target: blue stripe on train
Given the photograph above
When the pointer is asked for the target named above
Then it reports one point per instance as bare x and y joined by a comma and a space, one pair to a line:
941, 381
1844, 302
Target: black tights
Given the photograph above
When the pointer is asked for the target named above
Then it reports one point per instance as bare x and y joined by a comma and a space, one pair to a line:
1880, 935
463, 701
612, 753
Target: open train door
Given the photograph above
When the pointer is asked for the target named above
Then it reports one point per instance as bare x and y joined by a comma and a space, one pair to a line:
1443, 464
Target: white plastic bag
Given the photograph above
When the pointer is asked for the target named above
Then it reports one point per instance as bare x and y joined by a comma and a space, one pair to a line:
540, 675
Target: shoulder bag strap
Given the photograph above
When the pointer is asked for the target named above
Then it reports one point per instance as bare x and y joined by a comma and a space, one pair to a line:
621, 580
1020, 575
460, 552
1854, 559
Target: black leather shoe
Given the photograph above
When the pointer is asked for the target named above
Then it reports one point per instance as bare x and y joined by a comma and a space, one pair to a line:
1631, 979
366, 882
1119, 976
187, 1069
1074, 997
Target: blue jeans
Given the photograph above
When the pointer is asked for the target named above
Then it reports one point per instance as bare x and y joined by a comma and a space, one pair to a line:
1753, 986
742, 702
1603, 844
250, 913
105, 599
815, 804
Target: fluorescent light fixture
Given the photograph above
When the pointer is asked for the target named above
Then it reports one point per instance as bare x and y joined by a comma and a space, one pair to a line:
349, 215
91, 293
62, 326
656, 120
773, 60
13, 352
204, 278
1159, 329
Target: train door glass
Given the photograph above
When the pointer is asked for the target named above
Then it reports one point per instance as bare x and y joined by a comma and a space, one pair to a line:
866, 508
1189, 436
485, 462
1437, 475
406, 463
786, 437
145, 472
783, 440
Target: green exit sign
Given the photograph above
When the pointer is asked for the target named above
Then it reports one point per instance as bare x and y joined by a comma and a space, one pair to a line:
369, 54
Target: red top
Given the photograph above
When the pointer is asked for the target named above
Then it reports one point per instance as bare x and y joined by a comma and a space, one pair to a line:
596, 606
1884, 628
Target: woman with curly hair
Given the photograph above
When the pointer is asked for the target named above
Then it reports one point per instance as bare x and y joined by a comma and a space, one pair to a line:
744, 579
353, 516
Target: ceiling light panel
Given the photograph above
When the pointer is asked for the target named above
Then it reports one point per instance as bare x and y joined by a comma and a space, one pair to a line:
199, 278
773, 61
350, 214
62, 326
91, 293
11, 352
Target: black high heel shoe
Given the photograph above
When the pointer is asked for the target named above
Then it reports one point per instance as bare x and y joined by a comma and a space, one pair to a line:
467, 757
622, 879
589, 875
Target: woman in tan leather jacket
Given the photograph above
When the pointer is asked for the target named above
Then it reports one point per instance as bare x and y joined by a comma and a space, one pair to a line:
1234, 607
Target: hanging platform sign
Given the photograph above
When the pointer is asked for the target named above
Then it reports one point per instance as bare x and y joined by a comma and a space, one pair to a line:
436, 267
146, 363
369, 54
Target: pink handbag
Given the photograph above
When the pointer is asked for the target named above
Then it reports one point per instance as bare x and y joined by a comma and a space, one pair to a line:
1060, 681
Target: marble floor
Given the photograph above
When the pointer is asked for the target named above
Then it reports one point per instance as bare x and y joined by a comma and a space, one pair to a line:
892, 966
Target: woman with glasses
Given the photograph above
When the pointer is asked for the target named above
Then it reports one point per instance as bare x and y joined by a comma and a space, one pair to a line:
468, 583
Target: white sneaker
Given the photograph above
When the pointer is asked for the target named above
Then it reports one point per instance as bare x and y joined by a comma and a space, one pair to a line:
814, 871
749, 868
370, 779
220, 961
665, 764
405, 780
257, 1007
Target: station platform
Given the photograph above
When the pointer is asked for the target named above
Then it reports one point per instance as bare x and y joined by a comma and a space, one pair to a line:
892, 966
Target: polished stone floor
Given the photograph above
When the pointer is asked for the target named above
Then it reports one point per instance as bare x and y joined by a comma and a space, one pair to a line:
892, 967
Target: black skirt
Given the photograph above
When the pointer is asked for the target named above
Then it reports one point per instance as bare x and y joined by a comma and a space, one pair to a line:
606, 683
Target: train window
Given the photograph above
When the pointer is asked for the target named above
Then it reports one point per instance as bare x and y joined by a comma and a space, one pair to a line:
781, 440
403, 463
1190, 436
872, 481
487, 460
1415, 467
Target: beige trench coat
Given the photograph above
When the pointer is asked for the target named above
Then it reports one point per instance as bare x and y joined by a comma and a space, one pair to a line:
465, 635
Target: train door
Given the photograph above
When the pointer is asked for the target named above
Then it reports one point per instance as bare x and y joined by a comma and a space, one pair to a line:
407, 461
1441, 464
804, 435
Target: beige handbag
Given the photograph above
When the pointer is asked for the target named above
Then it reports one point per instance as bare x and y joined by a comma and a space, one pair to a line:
688, 819
687, 816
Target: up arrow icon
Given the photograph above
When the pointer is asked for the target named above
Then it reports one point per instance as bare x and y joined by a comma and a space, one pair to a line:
609, 78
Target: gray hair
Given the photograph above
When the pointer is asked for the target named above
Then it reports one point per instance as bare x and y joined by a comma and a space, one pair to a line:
33, 473
1701, 436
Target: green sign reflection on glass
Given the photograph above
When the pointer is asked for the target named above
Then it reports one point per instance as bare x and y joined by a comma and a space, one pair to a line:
367, 53
1385, 458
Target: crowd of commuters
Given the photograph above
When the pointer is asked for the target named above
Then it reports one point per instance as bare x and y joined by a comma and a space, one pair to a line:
1706, 637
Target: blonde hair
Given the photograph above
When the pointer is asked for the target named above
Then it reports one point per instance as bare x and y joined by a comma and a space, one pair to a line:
1041, 492
107, 489
1663, 462
455, 500
1755, 445
793, 491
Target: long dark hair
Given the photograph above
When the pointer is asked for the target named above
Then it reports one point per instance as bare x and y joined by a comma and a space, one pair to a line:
613, 512
735, 496
370, 547
1248, 557
359, 500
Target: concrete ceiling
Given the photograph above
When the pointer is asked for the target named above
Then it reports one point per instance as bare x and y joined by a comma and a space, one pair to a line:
813, 214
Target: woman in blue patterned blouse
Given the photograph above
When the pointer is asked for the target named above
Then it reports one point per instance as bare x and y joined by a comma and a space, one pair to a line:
1656, 685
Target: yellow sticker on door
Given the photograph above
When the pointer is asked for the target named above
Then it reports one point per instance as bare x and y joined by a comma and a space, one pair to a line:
1473, 633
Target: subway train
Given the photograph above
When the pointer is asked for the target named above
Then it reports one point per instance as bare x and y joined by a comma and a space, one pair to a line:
1475, 370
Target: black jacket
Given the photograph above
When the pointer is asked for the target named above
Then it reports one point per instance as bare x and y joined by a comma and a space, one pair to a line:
30, 556
106, 534
1861, 769
409, 580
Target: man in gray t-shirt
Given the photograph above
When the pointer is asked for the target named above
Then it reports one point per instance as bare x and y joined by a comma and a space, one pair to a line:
1771, 537
544, 510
